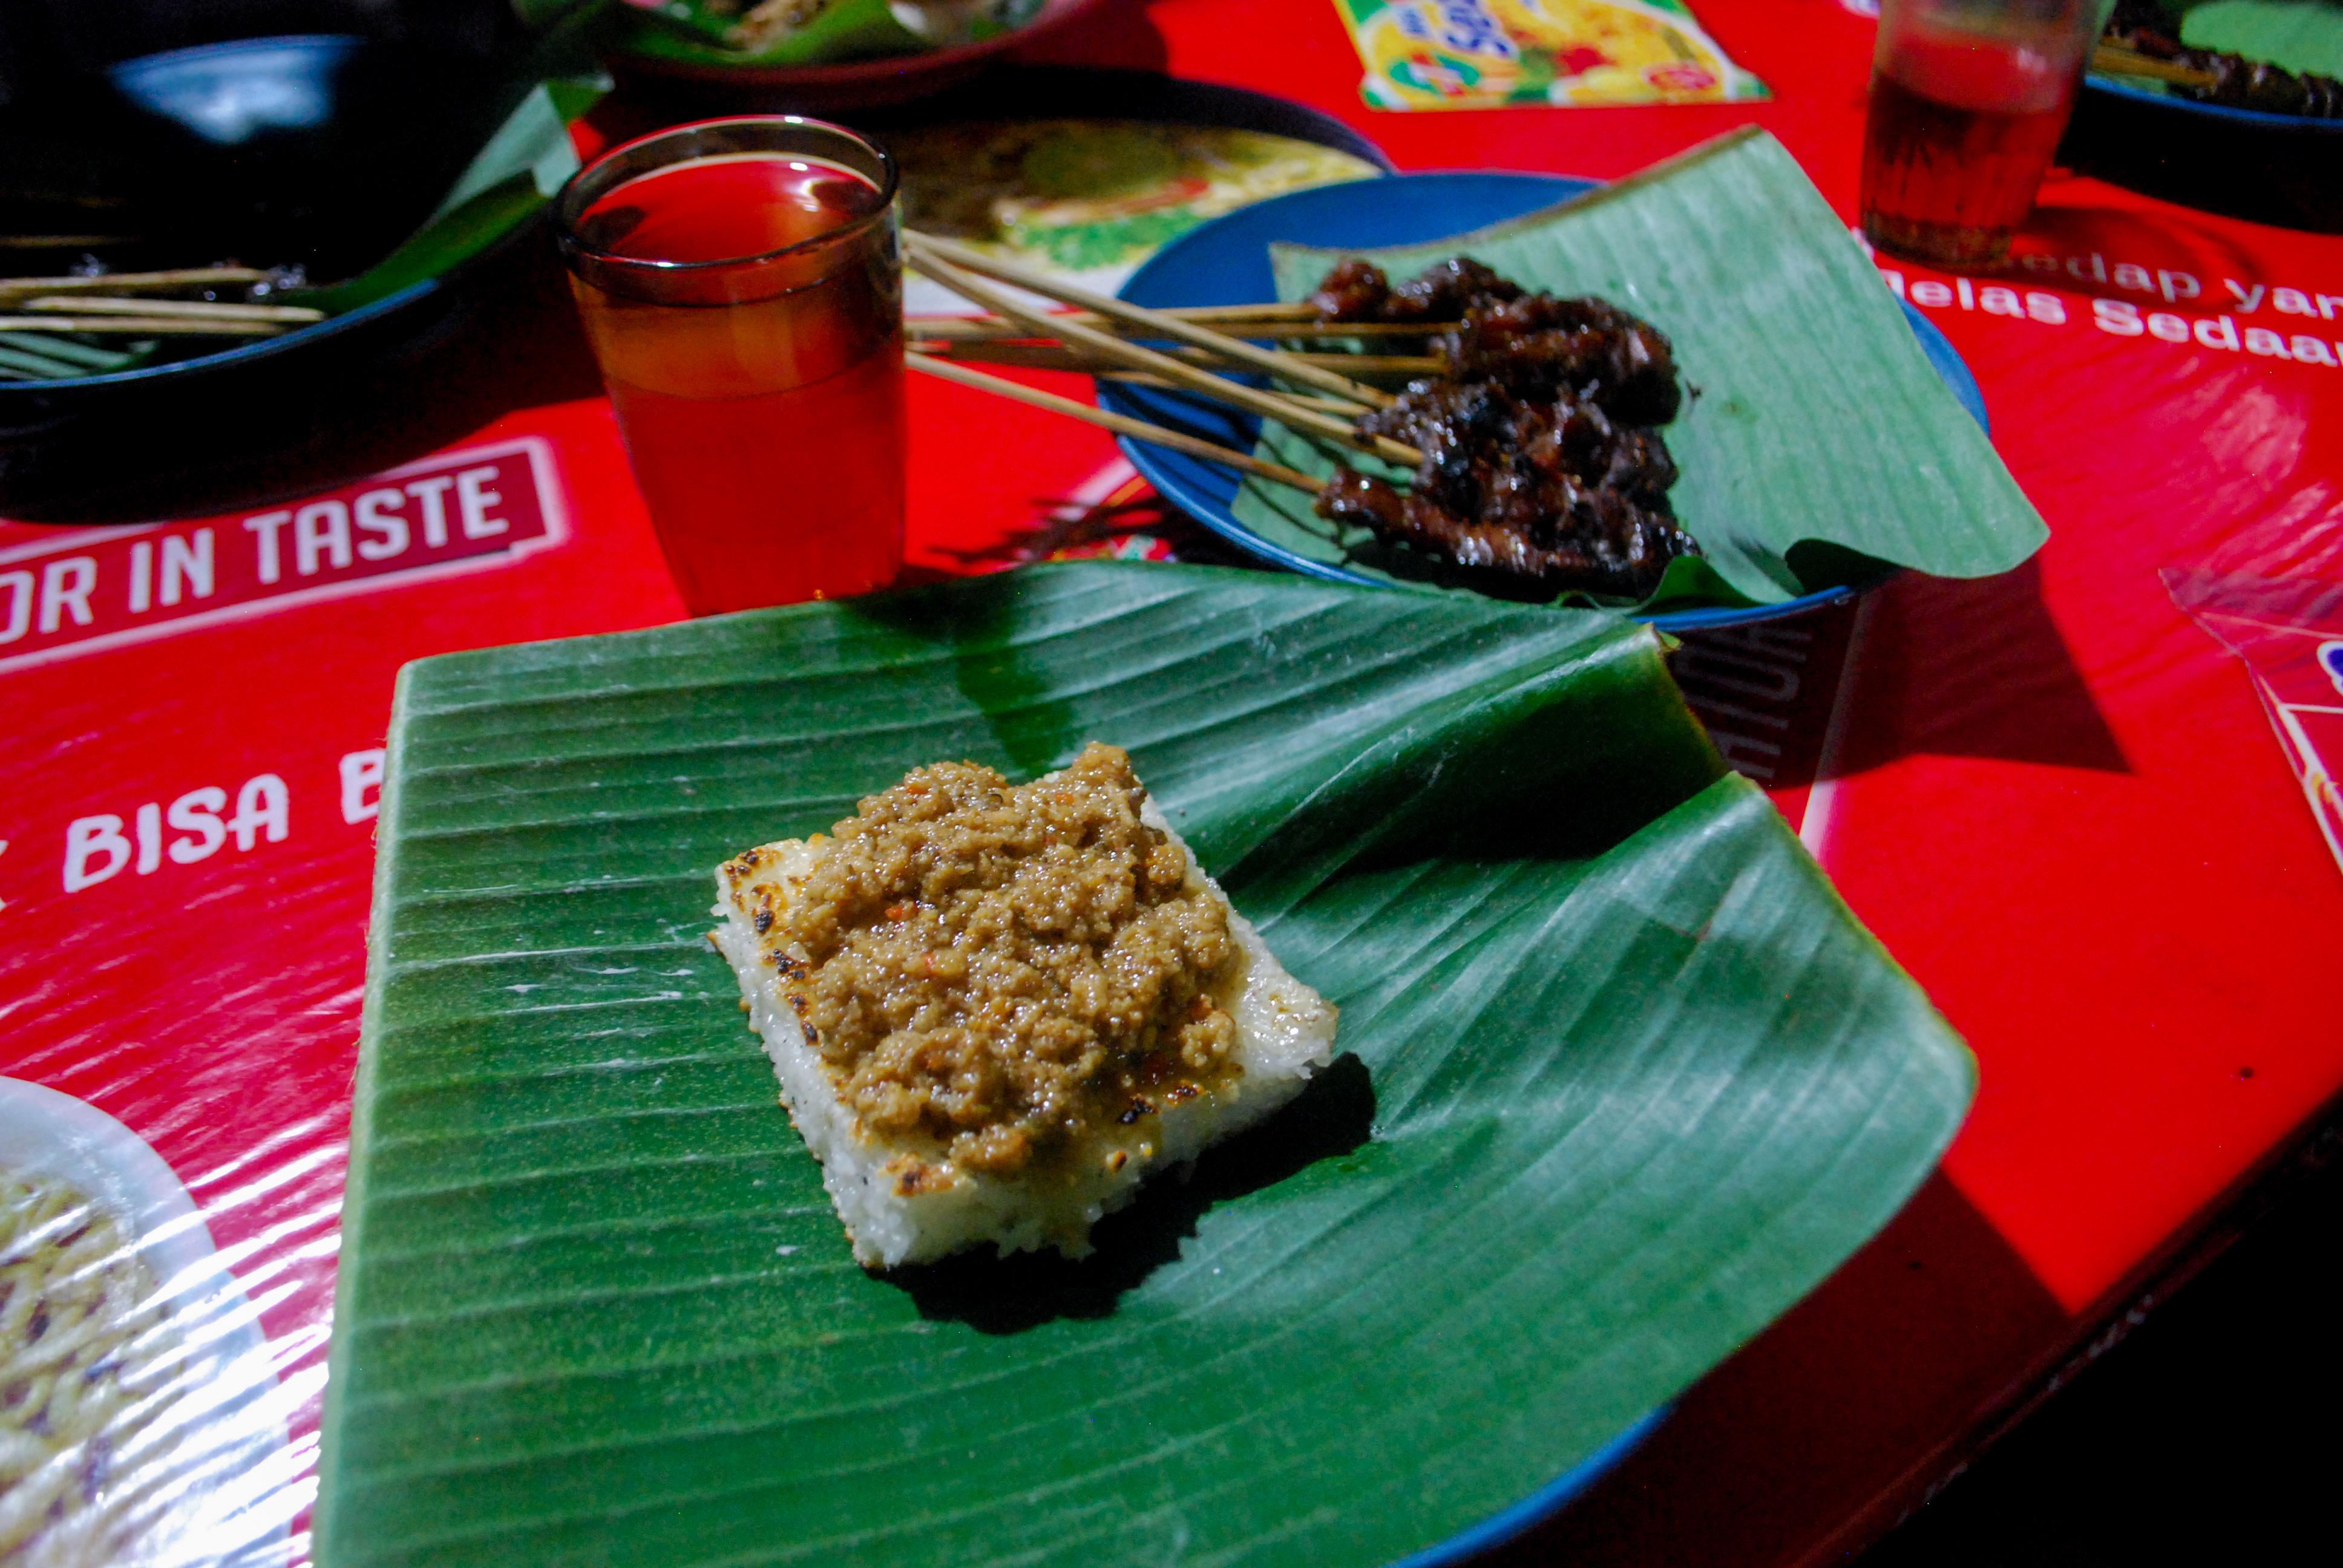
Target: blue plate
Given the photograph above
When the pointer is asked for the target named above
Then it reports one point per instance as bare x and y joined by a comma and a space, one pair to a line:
1226, 262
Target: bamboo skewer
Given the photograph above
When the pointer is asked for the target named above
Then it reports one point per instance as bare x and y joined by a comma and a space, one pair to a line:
926, 248
1251, 399
1275, 310
1050, 355
2122, 62
141, 326
193, 309
63, 241
1138, 430
13, 289
976, 328
1141, 378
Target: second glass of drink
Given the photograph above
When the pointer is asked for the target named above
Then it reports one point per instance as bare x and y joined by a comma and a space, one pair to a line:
742, 285
1968, 99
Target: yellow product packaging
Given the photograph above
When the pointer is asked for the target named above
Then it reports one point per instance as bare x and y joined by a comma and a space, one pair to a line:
1484, 53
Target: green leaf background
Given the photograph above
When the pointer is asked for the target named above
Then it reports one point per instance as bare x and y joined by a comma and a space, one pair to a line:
2298, 34
1821, 441
525, 164
1621, 1078
684, 30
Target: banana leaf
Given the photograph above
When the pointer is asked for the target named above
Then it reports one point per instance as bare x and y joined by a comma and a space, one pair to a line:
691, 31
524, 164
1818, 442
2298, 34
1620, 1079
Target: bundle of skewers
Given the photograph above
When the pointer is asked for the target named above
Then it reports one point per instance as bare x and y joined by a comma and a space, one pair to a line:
2142, 39
1529, 424
41, 317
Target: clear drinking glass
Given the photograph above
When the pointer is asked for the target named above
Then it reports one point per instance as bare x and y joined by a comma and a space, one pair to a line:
1968, 99
742, 284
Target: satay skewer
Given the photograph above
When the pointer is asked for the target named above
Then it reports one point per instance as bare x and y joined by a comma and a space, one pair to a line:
1063, 362
1122, 425
2118, 61
1272, 310
14, 288
979, 328
1251, 399
191, 309
141, 326
926, 247
1038, 355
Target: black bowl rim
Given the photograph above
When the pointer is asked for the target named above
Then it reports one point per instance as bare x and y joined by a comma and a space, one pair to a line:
242, 354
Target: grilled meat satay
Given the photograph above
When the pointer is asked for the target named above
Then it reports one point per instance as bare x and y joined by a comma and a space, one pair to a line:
1539, 459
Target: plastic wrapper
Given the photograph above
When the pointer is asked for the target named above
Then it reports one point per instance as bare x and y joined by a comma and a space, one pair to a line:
2288, 631
141, 1416
1483, 53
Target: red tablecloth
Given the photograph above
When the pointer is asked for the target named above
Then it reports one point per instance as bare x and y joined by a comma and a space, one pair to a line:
2052, 795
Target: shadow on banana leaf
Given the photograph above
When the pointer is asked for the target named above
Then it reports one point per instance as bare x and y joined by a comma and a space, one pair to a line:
1330, 1119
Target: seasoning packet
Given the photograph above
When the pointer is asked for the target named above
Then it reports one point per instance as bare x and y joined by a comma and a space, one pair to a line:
1570, 53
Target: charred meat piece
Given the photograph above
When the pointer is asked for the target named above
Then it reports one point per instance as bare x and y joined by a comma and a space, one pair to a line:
1444, 292
1536, 344
1539, 459
1357, 290
1354, 291
1618, 548
1553, 490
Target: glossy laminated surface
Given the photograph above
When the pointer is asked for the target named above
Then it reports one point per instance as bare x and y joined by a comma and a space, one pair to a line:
1614, 1087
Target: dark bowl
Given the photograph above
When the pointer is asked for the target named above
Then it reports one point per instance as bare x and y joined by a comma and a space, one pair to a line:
320, 151
2279, 169
1067, 93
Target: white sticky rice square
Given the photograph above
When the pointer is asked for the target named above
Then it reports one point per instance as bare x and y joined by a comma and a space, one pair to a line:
903, 1205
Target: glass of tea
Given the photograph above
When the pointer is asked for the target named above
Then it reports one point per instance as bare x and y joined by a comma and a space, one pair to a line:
742, 285
1968, 98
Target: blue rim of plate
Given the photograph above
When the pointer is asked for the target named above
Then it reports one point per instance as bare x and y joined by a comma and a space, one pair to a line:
1540, 1505
1226, 262
2114, 87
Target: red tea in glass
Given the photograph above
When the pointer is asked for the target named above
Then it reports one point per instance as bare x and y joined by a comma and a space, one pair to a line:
741, 284
1968, 99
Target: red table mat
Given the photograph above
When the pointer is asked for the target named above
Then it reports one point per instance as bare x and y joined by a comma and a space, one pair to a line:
2057, 798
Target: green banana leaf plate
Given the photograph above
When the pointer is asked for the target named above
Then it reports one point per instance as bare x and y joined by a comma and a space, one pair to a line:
1819, 445
1619, 1079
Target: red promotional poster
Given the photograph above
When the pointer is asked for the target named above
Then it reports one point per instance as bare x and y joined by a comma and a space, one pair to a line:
2089, 807
78, 593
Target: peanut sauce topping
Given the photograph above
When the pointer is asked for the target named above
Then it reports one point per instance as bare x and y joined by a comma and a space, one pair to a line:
1003, 972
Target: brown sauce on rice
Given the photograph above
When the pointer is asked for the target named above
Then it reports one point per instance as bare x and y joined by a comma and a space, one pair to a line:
1000, 973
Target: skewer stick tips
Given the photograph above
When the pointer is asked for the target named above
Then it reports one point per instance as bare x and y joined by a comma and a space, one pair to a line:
1252, 400
926, 247
1138, 430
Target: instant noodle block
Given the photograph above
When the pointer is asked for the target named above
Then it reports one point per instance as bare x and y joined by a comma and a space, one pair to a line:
1618, 1079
